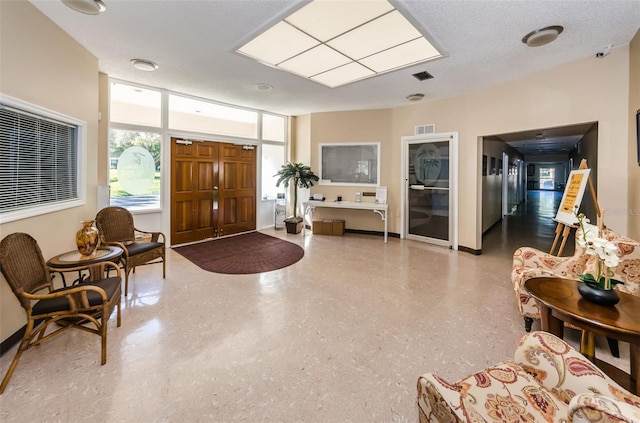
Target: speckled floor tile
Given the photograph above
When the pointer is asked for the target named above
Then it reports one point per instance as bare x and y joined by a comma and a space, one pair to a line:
340, 336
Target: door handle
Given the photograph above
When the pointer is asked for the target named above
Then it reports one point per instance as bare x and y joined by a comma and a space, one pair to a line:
417, 187
215, 198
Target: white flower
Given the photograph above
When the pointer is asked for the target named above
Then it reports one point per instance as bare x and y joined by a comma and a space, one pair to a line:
594, 245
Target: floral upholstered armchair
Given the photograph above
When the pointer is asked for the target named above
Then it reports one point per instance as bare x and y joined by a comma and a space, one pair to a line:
530, 263
548, 381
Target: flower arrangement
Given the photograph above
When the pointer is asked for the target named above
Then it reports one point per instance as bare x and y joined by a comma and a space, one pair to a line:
596, 245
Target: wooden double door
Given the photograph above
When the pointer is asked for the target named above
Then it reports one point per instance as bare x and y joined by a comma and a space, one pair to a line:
213, 189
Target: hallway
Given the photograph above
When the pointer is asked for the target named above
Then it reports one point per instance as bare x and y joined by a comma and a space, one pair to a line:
531, 224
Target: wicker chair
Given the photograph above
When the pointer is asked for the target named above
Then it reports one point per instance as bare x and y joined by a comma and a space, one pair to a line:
115, 226
91, 302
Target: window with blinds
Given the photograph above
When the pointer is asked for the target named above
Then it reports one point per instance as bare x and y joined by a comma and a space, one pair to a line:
38, 162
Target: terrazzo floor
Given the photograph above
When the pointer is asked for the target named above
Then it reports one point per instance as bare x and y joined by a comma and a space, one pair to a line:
340, 336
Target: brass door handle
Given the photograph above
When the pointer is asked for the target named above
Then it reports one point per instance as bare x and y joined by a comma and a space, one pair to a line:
215, 198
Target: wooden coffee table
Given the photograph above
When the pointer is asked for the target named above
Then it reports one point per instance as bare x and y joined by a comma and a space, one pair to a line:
561, 302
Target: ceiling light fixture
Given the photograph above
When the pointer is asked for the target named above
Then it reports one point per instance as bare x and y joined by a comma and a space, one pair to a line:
415, 97
336, 43
542, 36
88, 7
144, 65
263, 87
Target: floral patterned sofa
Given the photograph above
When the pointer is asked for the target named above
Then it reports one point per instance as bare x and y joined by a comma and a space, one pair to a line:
530, 263
548, 381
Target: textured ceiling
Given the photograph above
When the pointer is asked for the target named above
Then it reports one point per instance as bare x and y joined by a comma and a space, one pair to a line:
193, 42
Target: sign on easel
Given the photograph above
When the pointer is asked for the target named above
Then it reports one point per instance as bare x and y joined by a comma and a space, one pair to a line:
572, 197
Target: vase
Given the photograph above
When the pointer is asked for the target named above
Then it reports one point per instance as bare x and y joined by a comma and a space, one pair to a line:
87, 238
605, 297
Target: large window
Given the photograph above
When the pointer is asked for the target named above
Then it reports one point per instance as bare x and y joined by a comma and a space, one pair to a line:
272, 161
141, 119
135, 141
188, 114
39, 160
134, 171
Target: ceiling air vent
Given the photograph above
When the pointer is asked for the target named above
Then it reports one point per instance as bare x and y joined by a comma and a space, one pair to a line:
422, 76
425, 129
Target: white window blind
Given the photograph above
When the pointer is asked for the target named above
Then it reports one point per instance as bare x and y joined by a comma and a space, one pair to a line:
38, 160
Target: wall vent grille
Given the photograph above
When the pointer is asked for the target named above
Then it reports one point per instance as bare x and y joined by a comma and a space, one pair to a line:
425, 129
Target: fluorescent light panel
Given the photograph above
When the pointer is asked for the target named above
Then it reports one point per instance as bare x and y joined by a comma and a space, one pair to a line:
326, 19
338, 42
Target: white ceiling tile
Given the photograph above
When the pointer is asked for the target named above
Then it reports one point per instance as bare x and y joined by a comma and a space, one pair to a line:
383, 33
325, 19
314, 61
343, 75
413, 52
277, 44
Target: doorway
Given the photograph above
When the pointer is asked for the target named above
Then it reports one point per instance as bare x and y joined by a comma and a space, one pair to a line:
429, 194
540, 161
213, 189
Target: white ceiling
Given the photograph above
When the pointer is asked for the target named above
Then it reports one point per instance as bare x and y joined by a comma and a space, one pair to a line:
193, 42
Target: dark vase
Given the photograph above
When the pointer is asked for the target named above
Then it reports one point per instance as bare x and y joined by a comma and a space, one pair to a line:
605, 297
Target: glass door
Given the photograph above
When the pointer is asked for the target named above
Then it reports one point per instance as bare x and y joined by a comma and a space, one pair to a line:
428, 191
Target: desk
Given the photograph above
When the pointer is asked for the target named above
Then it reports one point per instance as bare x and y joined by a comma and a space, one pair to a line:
381, 209
561, 302
73, 259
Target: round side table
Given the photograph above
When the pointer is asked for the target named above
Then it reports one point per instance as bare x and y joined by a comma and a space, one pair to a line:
73, 259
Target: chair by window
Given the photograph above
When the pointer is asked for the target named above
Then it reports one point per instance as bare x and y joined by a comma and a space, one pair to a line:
116, 227
86, 306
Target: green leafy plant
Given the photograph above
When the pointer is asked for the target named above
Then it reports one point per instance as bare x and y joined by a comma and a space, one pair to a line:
298, 175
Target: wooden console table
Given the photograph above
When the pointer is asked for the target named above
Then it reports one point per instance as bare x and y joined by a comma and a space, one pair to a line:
381, 209
561, 302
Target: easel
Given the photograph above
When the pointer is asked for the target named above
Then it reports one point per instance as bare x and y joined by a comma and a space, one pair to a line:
564, 229
587, 341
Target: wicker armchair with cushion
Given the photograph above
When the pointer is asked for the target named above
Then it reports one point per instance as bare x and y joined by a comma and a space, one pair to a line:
86, 306
115, 226
548, 381
530, 263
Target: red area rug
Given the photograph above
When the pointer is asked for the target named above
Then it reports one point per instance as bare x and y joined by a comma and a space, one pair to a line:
252, 252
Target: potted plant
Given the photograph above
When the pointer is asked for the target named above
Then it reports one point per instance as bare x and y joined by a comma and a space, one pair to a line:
300, 176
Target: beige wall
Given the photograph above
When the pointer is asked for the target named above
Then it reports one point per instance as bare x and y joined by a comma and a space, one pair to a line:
586, 90
49, 69
634, 168
354, 126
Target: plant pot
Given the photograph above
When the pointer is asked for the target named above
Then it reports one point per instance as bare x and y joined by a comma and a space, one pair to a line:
293, 227
605, 297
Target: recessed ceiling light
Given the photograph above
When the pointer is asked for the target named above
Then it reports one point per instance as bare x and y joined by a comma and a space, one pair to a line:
415, 97
88, 7
144, 65
263, 87
542, 36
